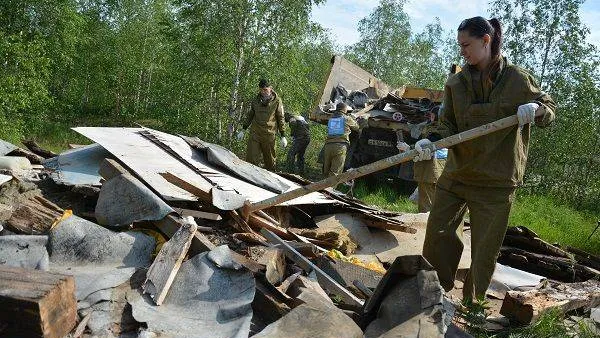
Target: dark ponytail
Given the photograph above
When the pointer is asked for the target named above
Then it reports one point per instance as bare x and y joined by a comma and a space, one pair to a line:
479, 27
496, 37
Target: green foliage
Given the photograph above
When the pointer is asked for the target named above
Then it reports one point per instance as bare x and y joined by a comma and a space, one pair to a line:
385, 196
556, 222
550, 40
391, 51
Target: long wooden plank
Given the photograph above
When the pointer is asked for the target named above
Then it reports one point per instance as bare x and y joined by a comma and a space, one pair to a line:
199, 214
382, 164
162, 272
325, 280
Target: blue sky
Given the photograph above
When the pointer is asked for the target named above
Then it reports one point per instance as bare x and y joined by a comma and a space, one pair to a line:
341, 16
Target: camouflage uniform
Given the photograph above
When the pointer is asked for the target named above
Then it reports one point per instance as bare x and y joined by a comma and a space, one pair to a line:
300, 133
481, 174
334, 150
264, 120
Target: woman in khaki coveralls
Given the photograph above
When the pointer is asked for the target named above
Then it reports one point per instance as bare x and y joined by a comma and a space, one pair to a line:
481, 174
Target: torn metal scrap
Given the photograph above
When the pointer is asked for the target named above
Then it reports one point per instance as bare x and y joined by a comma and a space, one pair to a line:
98, 258
225, 159
24, 251
407, 302
124, 199
205, 300
77, 166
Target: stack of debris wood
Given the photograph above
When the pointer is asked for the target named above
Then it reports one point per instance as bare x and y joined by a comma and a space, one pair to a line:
144, 233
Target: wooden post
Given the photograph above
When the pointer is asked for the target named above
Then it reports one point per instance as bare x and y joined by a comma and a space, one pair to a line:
36, 303
382, 164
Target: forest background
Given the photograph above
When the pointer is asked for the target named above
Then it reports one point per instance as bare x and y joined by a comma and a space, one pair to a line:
191, 67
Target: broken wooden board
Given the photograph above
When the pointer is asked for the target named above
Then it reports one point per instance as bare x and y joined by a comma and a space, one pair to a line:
325, 280
274, 261
199, 214
37, 303
34, 216
164, 268
526, 306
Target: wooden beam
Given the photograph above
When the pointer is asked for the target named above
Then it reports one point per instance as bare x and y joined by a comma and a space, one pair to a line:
201, 192
325, 280
524, 307
382, 164
162, 272
199, 214
36, 303
375, 221
171, 223
36, 149
261, 223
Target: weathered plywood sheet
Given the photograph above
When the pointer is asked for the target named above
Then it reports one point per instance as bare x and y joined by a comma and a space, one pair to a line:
148, 160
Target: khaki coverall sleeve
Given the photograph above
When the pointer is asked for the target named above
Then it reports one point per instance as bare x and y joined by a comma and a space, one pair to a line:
279, 118
352, 123
543, 99
249, 117
447, 126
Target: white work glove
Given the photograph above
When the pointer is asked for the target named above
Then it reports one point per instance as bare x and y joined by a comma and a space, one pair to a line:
402, 146
424, 149
526, 113
283, 141
240, 135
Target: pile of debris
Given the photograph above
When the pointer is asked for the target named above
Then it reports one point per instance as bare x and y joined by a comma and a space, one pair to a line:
144, 233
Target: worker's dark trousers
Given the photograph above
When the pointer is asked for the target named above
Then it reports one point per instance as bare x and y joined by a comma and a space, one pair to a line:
488, 209
295, 155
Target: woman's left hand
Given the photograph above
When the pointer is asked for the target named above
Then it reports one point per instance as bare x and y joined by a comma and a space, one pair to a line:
526, 113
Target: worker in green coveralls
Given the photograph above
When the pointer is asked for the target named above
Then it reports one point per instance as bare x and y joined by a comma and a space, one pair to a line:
300, 132
339, 127
265, 119
481, 174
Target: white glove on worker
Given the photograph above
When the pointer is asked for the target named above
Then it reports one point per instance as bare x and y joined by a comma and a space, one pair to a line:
425, 148
402, 146
526, 113
283, 141
240, 135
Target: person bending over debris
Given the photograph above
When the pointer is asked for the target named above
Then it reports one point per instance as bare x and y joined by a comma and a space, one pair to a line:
338, 139
481, 174
300, 132
266, 117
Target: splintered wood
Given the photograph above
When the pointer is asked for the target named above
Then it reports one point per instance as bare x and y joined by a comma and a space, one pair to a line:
524, 307
35, 303
162, 272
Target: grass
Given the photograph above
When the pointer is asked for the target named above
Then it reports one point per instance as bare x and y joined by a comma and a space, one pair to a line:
552, 221
550, 325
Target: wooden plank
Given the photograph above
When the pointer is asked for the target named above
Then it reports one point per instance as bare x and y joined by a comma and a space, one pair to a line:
325, 280
171, 223
199, 214
162, 272
375, 221
524, 307
37, 303
36, 149
34, 216
261, 223
382, 164
201, 192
